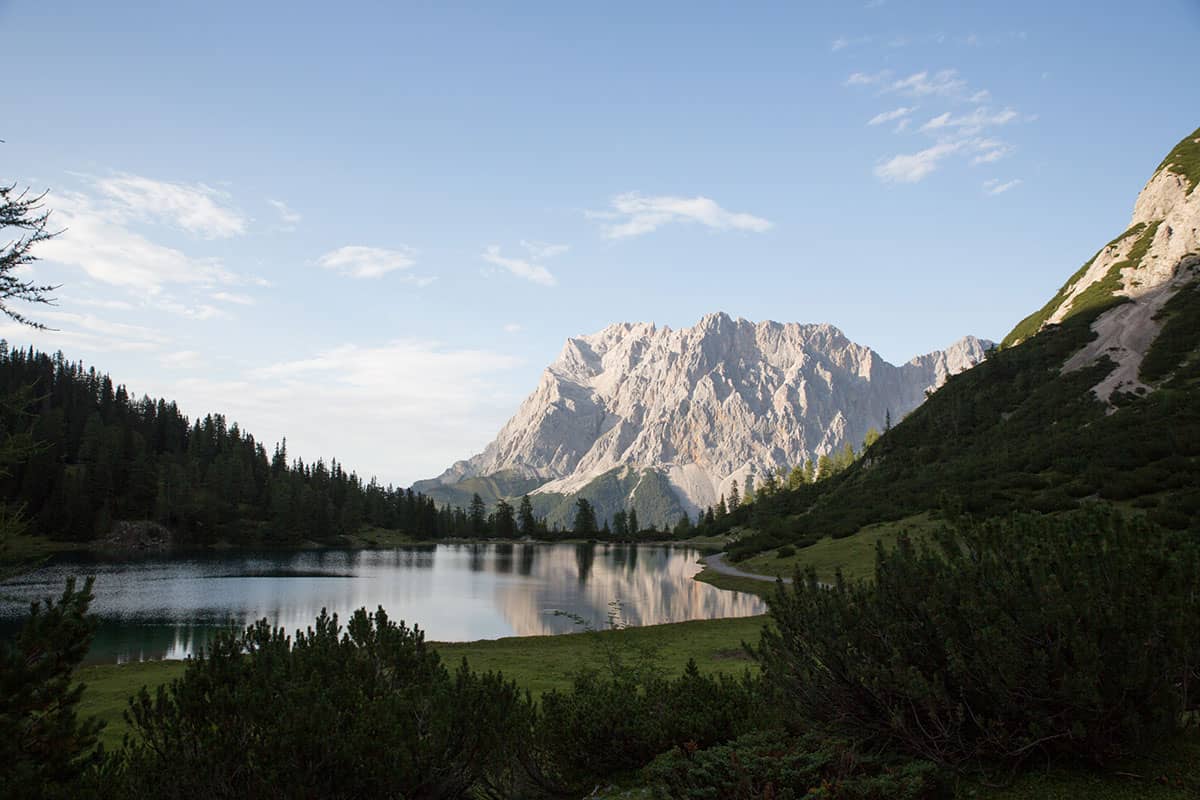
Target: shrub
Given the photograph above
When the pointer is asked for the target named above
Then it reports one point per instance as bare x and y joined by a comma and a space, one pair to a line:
771, 764
787, 551
371, 712
1070, 637
614, 724
44, 747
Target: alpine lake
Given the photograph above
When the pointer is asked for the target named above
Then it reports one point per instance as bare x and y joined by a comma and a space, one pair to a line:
168, 606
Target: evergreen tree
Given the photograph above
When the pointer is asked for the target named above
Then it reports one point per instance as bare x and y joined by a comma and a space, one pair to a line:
721, 510
505, 523
734, 499
748, 497
634, 527
525, 519
477, 515
621, 524
584, 525
810, 471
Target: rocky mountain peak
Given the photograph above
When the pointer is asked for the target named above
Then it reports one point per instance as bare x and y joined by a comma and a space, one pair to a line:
702, 406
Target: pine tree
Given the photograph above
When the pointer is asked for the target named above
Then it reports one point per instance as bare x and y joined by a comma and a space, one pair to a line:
748, 497
477, 515
525, 519
621, 524
721, 510
634, 527
504, 523
795, 478
734, 499
584, 525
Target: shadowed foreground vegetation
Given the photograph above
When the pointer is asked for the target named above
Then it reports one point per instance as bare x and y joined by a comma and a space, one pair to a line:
988, 652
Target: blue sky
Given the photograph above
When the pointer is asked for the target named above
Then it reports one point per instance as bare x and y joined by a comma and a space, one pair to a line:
369, 226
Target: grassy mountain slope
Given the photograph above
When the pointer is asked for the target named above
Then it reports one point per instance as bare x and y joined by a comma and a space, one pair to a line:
1019, 433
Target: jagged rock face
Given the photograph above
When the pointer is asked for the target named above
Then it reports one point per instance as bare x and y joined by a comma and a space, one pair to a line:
1148, 263
704, 405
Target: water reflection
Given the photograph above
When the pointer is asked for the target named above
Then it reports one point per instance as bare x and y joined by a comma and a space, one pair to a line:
168, 607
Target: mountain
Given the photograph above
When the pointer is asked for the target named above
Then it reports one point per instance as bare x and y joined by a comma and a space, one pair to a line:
666, 420
1094, 398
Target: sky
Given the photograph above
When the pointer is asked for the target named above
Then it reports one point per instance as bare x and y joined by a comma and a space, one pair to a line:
368, 227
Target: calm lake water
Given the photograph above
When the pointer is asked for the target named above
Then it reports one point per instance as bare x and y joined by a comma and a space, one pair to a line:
167, 607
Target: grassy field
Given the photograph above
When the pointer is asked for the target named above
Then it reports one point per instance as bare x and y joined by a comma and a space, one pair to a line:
855, 555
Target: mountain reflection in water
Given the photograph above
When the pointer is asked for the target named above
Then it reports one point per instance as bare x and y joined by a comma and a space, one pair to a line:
168, 607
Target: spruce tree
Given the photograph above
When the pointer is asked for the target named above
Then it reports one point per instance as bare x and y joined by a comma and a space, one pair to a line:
734, 499
477, 515
584, 524
525, 519
634, 527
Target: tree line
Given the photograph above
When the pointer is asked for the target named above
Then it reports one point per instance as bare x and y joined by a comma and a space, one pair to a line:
101, 455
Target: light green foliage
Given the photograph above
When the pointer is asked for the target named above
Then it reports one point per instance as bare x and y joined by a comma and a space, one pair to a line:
1034, 322
1185, 159
1101, 294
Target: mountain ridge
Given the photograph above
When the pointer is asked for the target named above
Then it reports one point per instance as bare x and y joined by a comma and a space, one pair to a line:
703, 406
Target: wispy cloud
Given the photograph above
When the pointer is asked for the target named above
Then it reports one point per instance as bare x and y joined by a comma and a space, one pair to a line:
513, 327
196, 208
98, 241
946, 82
461, 399
842, 42
540, 251
912, 167
890, 116
231, 297
868, 78
994, 186
634, 214
528, 270
357, 261
289, 218
972, 123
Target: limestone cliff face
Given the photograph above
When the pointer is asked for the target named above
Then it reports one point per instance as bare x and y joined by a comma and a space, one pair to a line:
704, 405
1143, 267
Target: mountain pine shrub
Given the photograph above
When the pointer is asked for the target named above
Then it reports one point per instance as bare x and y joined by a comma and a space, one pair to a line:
1073, 637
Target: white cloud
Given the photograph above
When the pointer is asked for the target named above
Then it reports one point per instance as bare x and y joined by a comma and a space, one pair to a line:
842, 42
519, 267
889, 116
74, 333
512, 327
407, 404
867, 79
287, 216
921, 84
994, 186
972, 123
366, 262
200, 312
231, 297
196, 208
97, 241
638, 214
912, 167
183, 359
539, 251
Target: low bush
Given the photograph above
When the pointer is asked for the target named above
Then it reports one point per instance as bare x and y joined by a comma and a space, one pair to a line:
772, 764
1072, 637
614, 724
368, 712
787, 551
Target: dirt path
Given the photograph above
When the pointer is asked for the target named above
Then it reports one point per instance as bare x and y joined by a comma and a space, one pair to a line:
718, 564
